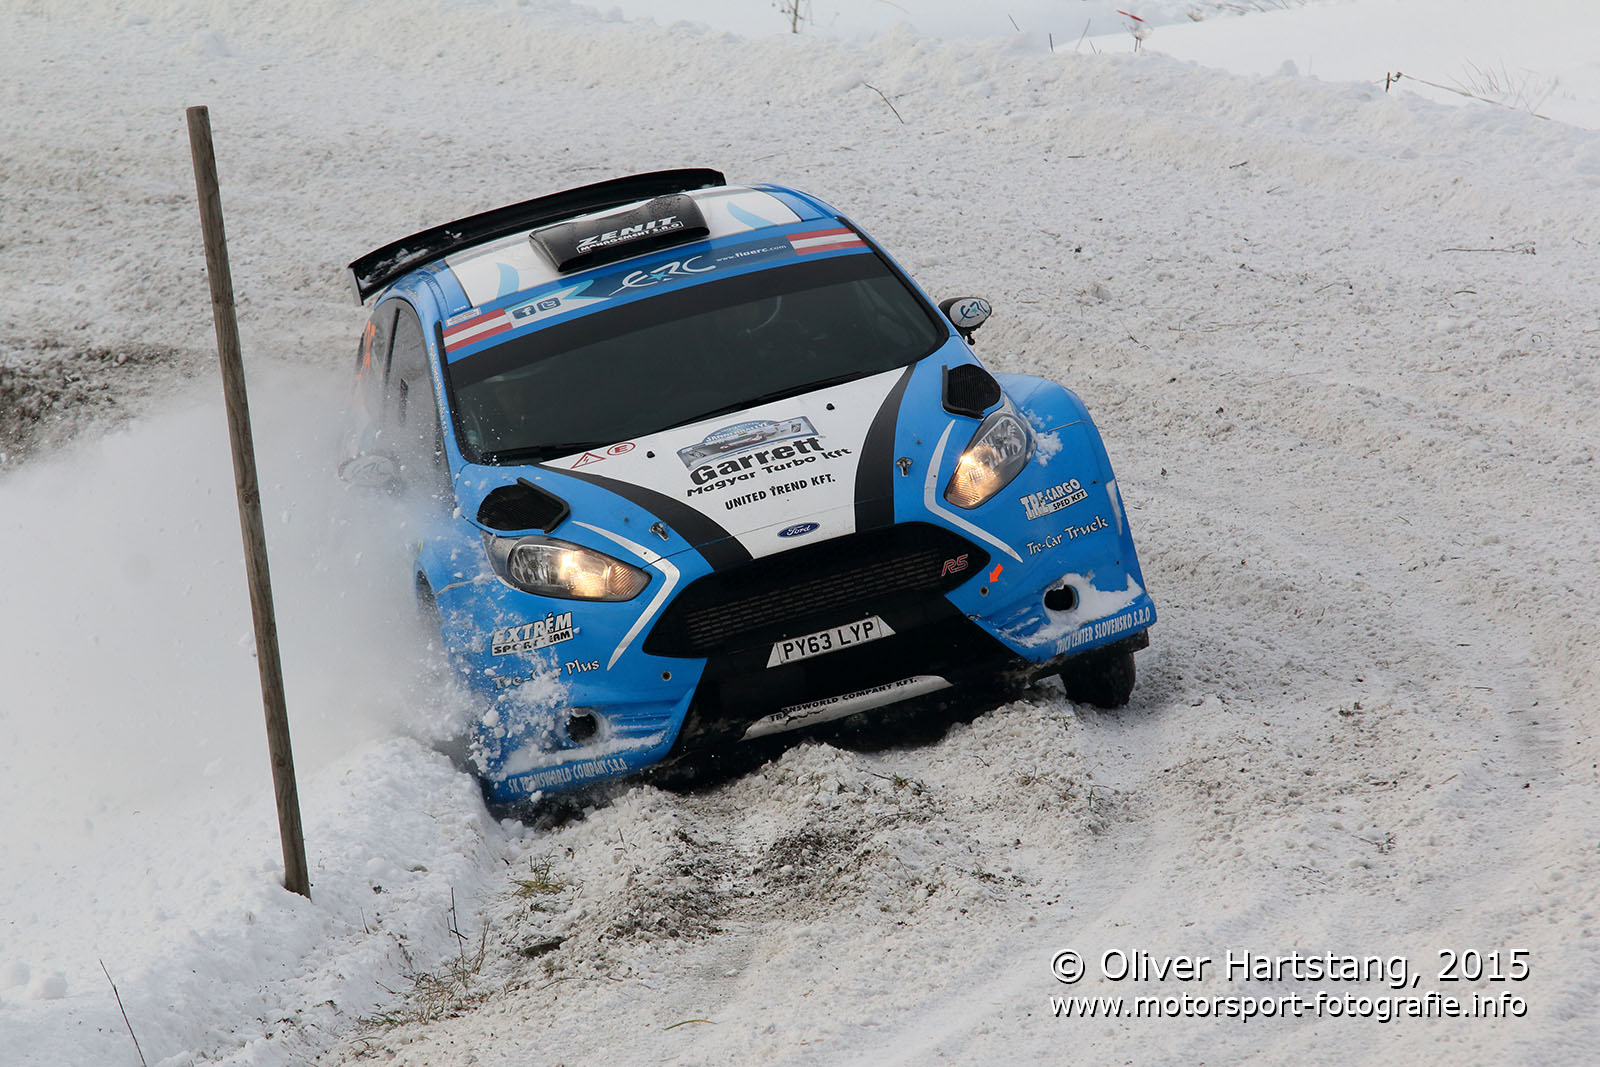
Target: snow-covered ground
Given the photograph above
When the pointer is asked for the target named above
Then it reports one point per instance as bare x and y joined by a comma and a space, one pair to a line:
1535, 56
1344, 345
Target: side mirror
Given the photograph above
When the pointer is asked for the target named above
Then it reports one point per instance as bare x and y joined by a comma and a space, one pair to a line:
967, 313
372, 470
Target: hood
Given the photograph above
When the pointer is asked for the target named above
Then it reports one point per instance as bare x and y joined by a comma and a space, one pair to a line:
771, 477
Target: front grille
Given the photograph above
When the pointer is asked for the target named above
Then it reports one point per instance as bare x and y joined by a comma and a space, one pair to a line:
813, 587
712, 627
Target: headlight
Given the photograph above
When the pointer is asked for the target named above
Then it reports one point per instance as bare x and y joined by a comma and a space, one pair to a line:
548, 567
994, 456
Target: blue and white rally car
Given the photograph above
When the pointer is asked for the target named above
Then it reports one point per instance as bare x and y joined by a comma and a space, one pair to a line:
700, 464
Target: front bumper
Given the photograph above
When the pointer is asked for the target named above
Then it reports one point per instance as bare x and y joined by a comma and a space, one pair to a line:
715, 641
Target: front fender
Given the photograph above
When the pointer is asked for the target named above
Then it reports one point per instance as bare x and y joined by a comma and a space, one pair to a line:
1047, 405
1064, 522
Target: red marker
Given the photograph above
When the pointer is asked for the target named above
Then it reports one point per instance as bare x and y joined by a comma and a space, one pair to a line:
994, 575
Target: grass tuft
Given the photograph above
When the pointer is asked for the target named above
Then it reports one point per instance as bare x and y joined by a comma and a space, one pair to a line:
539, 881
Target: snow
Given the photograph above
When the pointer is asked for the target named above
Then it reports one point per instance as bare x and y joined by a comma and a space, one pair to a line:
953, 19
1545, 65
1342, 345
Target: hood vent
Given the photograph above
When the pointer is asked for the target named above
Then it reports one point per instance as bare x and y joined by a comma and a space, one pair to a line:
970, 390
523, 506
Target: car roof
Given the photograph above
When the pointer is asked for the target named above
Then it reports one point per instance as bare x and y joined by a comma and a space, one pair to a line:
498, 253
515, 284
374, 271
520, 261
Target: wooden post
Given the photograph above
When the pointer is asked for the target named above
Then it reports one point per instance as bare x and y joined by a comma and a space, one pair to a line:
295, 876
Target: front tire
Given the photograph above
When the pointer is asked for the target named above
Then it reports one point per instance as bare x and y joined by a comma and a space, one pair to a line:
428, 607
1103, 679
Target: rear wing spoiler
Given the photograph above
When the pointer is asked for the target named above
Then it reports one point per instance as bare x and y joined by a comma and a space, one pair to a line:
378, 268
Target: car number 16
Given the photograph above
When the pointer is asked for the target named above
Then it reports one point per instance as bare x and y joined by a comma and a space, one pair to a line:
824, 641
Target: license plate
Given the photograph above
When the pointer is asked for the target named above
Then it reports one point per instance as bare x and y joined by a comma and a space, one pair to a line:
822, 642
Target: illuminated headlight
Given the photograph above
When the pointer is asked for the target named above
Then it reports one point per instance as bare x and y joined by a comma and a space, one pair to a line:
548, 567
994, 456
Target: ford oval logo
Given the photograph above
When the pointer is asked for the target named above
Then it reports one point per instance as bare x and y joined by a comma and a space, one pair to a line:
799, 529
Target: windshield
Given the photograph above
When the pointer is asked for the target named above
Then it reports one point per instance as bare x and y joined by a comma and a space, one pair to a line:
687, 354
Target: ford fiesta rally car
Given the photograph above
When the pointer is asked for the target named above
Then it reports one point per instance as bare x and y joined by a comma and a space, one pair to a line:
700, 464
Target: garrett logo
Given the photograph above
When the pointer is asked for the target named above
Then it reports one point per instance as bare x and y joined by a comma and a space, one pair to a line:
954, 566
742, 437
800, 529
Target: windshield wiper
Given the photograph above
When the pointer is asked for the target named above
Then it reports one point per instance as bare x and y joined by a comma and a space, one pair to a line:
534, 453
776, 394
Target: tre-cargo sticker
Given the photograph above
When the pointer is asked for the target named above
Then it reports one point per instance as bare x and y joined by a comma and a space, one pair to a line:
1051, 500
